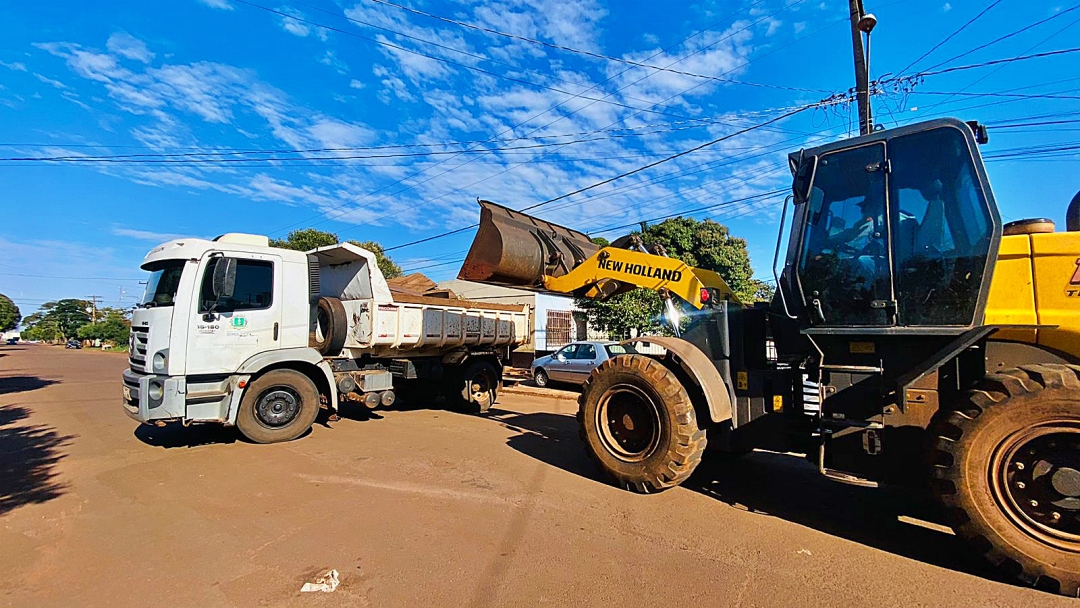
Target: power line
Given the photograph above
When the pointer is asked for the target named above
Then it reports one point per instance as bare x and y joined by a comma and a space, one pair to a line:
1005, 37
617, 177
592, 54
980, 65
526, 121
949, 37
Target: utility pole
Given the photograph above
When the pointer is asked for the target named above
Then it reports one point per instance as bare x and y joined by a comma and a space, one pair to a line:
862, 22
93, 307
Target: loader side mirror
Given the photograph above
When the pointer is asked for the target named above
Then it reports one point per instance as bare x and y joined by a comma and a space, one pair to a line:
804, 179
224, 277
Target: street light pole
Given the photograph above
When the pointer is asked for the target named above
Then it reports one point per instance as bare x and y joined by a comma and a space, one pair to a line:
861, 23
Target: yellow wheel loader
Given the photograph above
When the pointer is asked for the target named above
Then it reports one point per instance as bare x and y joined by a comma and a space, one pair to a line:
912, 335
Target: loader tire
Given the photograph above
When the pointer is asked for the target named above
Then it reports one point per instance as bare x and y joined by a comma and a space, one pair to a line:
278, 406
638, 423
1006, 467
331, 327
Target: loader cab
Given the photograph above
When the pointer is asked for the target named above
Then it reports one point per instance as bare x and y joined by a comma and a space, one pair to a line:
892, 232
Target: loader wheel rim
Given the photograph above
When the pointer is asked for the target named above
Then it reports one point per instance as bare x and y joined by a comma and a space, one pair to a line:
628, 421
1035, 478
277, 407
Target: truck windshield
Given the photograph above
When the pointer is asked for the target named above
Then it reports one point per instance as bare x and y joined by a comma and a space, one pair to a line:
163, 282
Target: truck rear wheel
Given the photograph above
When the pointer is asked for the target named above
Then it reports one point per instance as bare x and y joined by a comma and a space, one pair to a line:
475, 388
638, 424
1007, 469
278, 406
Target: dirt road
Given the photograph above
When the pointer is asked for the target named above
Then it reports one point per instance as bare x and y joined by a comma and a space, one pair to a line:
425, 508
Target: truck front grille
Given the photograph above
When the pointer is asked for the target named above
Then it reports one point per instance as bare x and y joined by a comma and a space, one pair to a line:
137, 351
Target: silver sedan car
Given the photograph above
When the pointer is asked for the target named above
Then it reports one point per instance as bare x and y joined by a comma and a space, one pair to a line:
574, 362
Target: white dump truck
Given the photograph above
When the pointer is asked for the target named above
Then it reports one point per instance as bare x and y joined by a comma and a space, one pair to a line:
236, 332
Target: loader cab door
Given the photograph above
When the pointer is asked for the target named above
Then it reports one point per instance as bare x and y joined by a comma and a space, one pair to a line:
844, 261
899, 231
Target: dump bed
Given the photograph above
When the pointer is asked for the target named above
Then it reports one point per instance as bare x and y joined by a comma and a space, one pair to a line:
385, 324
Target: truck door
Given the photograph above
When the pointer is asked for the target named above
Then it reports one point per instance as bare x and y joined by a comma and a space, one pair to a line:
228, 329
844, 263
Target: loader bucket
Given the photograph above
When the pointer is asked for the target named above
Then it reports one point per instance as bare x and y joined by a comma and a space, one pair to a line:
517, 250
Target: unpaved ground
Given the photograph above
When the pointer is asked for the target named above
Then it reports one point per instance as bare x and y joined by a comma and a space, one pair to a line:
424, 508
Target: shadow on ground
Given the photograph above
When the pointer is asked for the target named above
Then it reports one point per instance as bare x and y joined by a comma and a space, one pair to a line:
21, 384
28, 455
775, 485
176, 435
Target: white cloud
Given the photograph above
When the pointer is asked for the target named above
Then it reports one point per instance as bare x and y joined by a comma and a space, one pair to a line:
946, 7
800, 27
218, 4
126, 45
17, 66
331, 59
355, 84
145, 235
51, 82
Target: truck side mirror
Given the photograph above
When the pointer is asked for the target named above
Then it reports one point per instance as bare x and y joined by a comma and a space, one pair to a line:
804, 179
224, 277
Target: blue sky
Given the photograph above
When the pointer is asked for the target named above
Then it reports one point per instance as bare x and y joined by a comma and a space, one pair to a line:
218, 77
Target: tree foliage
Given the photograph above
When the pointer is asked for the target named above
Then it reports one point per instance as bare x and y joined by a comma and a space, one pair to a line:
702, 244
307, 239
112, 326
9, 314
57, 320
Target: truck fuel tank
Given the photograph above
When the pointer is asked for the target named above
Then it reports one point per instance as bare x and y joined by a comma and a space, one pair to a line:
517, 250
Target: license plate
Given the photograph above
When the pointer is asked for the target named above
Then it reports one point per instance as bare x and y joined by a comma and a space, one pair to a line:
127, 393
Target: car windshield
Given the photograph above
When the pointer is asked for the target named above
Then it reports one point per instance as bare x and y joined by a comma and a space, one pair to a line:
620, 349
163, 282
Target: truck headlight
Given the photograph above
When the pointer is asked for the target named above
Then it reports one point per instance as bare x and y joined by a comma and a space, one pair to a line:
161, 359
155, 391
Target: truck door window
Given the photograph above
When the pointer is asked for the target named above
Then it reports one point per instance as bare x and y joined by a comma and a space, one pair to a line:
254, 287
844, 262
943, 228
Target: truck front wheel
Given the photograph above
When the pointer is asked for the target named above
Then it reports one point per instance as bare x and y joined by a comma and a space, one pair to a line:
638, 424
278, 406
1007, 469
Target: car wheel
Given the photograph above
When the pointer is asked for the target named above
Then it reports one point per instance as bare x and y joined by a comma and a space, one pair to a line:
540, 377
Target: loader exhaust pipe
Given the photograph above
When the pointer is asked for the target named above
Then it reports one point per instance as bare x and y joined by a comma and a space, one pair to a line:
513, 249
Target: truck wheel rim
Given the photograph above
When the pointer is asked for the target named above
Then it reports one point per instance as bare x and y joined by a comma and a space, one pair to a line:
628, 423
277, 407
480, 387
1035, 478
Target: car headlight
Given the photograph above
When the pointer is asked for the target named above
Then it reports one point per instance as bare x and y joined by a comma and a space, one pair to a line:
160, 361
155, 391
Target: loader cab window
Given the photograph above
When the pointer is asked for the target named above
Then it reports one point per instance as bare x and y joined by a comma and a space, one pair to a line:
944, 228
844, 263
254, 288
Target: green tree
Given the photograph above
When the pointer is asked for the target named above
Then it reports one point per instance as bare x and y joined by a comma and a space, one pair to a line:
9, 314
763, 290
112, 326
388, 267
57, 320
699, 243
307, 239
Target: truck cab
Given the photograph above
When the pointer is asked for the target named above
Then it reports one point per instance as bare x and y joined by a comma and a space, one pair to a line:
214, 313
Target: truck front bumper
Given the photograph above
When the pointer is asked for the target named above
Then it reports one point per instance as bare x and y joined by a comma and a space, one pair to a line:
148, 397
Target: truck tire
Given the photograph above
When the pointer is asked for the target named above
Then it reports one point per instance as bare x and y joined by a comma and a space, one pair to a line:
638, 424
278, 406
1006, 467
331, 327
474, 390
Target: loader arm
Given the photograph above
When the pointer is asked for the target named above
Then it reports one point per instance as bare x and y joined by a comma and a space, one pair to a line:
612, 271
513, 249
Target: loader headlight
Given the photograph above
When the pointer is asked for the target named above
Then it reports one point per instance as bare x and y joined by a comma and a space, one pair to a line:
155, 391
161, 359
